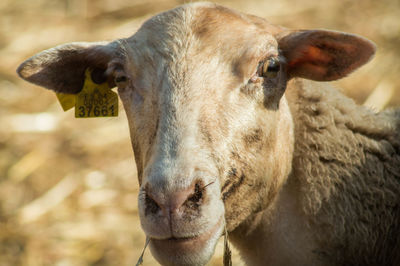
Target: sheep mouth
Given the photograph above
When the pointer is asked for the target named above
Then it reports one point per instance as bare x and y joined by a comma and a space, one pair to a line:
187, 244
181, 239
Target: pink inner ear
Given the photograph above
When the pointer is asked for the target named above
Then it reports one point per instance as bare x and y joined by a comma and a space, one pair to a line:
310, 55
324, 55
315, 70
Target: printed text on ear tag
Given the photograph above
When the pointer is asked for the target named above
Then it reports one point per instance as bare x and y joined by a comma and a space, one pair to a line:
95, 100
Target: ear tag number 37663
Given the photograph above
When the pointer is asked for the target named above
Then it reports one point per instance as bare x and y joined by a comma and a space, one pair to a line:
95, 100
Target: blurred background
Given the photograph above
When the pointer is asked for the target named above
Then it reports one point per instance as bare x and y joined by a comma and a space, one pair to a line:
68, 188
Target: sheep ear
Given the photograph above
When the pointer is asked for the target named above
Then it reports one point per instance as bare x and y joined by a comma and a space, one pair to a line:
62, 68
324, 55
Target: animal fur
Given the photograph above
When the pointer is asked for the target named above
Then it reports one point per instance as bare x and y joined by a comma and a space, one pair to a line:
346, 164
299, 172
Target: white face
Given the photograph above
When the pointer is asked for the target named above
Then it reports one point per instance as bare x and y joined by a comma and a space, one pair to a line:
200, 119
203, 88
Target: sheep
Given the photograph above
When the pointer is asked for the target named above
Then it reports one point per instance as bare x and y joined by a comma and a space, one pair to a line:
232, 128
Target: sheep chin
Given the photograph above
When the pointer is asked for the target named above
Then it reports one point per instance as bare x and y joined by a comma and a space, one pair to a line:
191, 251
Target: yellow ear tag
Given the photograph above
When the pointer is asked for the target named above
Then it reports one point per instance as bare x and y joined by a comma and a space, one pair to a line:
67, 101
95, 100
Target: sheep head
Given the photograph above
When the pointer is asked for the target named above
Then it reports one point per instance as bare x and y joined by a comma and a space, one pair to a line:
203, 89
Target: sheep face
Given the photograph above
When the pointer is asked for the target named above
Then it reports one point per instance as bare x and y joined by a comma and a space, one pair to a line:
203, 89
203, 119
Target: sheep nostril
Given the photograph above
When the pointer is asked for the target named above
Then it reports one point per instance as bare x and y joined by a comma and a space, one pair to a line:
151, 205
195, 199
186, 201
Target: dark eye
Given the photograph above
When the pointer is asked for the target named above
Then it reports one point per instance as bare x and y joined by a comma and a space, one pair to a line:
120, 81
269, 68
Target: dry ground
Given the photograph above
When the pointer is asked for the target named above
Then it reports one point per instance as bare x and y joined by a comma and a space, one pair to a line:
68, 189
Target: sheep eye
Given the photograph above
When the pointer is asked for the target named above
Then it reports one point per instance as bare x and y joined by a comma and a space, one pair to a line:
269, 68
120, 81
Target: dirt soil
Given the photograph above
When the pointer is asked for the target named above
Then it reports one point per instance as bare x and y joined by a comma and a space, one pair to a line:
68, 188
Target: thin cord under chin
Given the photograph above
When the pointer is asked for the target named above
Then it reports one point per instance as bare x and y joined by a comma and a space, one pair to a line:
227, 250
140, 260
